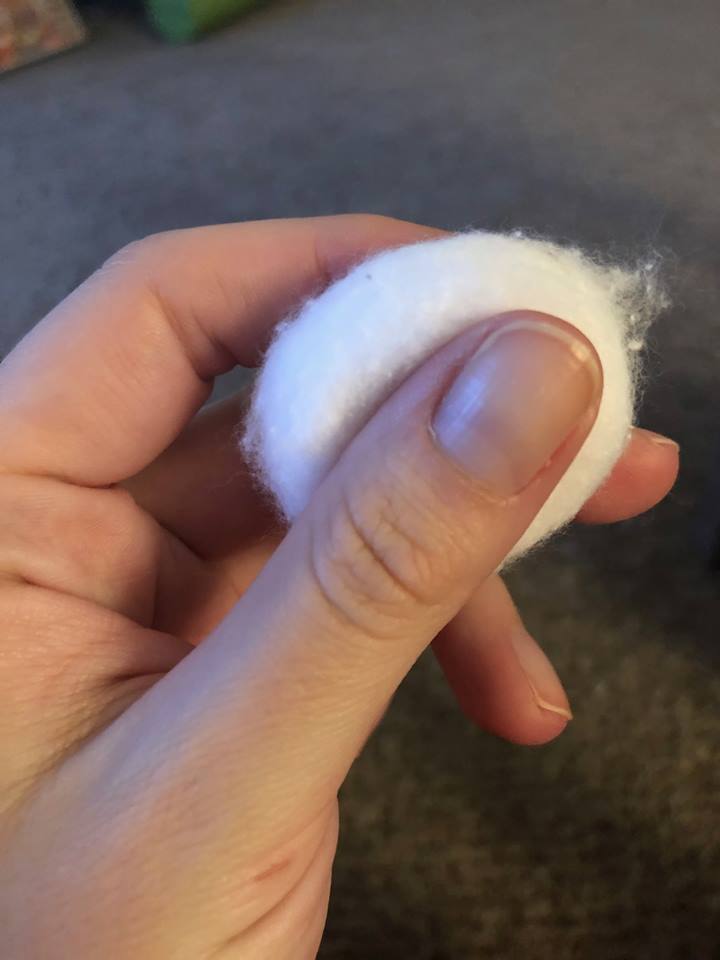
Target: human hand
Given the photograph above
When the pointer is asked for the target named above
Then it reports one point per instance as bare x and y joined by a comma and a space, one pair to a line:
183, 687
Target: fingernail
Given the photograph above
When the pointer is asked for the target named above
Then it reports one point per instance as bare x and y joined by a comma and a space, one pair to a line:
515, 401
547, 691
658, 439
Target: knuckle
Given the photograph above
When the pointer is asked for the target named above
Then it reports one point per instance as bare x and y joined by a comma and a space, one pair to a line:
137, 252
118, 530
371, 220
147, 267
379, 558
52, 533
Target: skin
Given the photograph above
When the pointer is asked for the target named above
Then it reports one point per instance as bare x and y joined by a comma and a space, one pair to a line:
183, 685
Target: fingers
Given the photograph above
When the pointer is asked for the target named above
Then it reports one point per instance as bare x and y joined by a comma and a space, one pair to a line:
259, 725
641, 478
94, 544
201, 489
113, 374
196, 489
502, 679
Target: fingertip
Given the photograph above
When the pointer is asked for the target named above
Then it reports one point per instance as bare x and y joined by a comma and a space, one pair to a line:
641, 478
520, 720
502, 679
654, 449
537, 730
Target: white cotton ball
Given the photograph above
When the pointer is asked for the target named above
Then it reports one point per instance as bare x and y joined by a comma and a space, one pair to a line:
330, 366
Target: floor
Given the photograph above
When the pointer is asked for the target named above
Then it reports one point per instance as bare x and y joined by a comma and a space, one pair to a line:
597, 122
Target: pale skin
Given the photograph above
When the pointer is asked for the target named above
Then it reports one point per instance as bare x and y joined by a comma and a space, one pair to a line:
183, 684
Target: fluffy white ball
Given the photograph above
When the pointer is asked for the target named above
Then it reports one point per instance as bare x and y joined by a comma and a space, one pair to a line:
331, 365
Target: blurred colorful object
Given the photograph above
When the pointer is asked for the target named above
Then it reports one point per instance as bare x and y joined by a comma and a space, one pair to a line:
34, 29
181, 20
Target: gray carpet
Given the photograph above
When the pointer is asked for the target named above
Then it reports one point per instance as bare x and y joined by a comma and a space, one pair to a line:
588, 120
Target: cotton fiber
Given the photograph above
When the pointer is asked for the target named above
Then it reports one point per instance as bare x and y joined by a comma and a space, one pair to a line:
331, 364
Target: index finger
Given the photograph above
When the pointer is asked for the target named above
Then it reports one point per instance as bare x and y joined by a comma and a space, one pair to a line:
105, 383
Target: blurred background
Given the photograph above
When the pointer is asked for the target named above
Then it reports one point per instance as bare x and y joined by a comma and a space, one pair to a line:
593, 121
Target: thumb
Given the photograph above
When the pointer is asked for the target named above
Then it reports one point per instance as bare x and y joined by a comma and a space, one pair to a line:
265, 717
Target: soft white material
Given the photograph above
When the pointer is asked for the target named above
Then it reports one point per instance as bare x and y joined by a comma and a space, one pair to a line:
329, 367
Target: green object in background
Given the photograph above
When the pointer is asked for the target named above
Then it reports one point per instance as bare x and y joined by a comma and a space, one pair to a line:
180, 20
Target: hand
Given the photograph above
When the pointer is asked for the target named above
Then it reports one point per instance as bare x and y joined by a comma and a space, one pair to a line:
183, 688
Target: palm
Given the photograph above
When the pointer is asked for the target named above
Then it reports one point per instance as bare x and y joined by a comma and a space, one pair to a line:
136, 610
135, 594
216, 531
